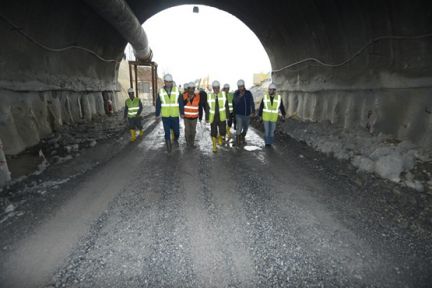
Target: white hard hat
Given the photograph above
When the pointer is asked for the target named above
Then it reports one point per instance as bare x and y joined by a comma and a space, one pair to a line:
215, 84
168, 77
130, 90
191, 84
272, 86
186, 85
226, 86
240, 83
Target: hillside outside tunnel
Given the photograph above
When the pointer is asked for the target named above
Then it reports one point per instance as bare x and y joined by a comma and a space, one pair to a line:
355, 78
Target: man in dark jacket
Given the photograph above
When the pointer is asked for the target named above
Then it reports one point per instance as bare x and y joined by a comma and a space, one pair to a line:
244, 107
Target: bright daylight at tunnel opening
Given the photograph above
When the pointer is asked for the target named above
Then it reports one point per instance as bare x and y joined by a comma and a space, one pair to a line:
216, 144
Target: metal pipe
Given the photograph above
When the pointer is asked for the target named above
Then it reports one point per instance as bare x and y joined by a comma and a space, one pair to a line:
122, 18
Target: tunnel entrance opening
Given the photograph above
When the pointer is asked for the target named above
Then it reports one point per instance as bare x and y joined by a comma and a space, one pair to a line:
203, 45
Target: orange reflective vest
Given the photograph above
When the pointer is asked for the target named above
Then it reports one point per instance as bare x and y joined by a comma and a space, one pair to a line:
191, 109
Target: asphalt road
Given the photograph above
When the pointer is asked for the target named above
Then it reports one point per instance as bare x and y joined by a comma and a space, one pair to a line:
250, 217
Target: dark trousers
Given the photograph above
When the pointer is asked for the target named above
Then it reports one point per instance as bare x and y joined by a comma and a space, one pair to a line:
190, 130
171, 123
218, 125
232, 121
135, 123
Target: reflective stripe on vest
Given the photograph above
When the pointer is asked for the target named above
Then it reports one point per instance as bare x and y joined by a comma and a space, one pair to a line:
212, 103
169, 103
191, 109
230, 97
271, 112
133, 107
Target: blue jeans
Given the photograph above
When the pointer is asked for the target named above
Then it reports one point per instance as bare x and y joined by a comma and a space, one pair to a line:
242, 123
171, 123
269, 129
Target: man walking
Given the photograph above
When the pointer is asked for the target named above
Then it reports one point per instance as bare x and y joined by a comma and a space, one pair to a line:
230, 97
217, 107
269, 112
132, 112
244, 107
169, 104
192, 111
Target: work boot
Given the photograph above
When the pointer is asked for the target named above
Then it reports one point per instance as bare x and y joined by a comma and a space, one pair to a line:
141, 133
192, 142
243, 135
176, 142
236, 141
214, 140
220, 140
133, 135
168, 145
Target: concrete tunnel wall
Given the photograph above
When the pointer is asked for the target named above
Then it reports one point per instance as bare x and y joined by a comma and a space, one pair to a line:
387, 86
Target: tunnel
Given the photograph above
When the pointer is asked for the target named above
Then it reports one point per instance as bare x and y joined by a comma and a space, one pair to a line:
339, 61
110, 213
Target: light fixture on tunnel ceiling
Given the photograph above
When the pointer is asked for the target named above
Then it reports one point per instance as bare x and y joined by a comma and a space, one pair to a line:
195, 9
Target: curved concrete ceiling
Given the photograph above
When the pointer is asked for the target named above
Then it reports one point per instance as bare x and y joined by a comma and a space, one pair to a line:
329, 30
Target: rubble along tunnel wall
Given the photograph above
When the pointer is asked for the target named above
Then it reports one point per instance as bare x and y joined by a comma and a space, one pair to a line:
42, 89
386, 87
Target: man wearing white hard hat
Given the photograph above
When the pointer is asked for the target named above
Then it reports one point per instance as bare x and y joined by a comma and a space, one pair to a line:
185, 88
244, 107
192, 112
269, 113
218, 110
230, 98
132, 112
169, 104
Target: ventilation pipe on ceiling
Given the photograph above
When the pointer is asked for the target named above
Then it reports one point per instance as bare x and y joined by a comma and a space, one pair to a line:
122, 18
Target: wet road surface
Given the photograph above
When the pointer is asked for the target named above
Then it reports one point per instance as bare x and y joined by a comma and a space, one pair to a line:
243, 217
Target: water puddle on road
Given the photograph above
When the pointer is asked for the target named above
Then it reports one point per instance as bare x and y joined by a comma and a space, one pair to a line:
252, 148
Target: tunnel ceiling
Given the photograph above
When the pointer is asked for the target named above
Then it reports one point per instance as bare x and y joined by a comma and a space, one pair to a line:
329, 30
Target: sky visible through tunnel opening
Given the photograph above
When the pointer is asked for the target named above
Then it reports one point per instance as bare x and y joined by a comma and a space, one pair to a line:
211, 43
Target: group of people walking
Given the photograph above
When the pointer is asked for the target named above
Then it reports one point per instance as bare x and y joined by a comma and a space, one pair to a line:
223, 110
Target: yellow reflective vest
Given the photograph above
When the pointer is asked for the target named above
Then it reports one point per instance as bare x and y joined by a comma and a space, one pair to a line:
169, 103
271, 112
211, 100
230, 97
133, 107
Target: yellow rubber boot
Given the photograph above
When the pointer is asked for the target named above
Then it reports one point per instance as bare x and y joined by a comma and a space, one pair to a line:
141, 133
214, 144
220, 139
133, 135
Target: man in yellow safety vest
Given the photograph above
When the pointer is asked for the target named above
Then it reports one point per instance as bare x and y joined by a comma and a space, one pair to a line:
218, 110
169, 104
269, 113
230, 97
132, 112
